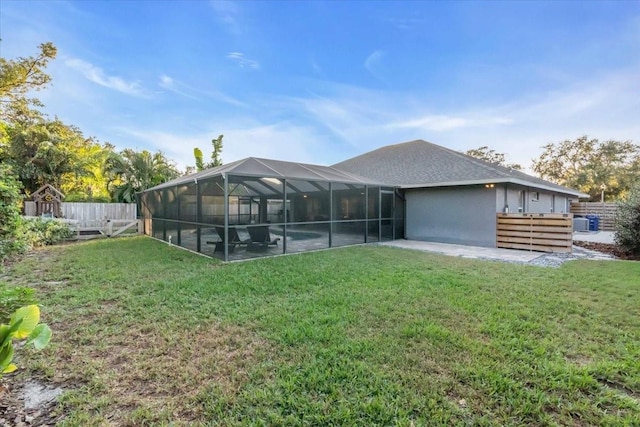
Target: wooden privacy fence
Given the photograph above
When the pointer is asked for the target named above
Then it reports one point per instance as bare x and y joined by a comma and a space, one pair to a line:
97, 219
606, 211
91, 215
535, 232
109, 228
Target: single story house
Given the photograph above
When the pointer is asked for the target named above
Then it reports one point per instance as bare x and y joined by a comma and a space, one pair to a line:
415, 190
451, 197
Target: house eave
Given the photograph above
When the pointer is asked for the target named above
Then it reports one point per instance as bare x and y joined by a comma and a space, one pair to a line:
503, 180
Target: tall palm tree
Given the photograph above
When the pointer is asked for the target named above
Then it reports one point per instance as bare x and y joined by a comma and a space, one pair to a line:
132, 171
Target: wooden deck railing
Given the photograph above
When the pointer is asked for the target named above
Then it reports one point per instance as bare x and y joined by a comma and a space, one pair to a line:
535, 232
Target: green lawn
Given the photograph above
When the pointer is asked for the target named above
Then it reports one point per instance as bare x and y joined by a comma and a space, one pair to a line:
149, 334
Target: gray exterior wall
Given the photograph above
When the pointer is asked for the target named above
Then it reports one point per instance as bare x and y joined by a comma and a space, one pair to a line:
462, 215
546, 202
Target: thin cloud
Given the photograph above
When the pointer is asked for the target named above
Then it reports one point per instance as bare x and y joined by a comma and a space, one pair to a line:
373, 62
343, 116
603, 106
442, 123
243, 61
315, 66
242, 139
228, 13
168, 83
406, 24
172, 85
98, 76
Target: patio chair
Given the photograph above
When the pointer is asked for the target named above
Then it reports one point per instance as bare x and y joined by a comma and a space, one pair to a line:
234, 240
260, 238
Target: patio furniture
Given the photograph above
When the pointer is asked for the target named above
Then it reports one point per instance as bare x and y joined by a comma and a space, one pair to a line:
234, 240
260, 238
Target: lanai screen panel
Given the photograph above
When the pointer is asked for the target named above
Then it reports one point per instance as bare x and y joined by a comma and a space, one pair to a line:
258, 207
308, 215
349, 225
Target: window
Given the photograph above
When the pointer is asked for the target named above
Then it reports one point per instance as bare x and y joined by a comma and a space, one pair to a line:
535, 196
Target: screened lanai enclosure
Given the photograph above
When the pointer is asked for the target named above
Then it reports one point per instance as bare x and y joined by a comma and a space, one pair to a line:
260, 207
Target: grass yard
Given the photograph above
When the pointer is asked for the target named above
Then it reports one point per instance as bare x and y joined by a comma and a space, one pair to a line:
147, 334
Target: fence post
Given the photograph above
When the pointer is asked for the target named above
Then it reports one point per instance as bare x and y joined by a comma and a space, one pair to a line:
109, 228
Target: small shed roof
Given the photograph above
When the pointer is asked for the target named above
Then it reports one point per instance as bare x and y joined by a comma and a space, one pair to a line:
257, 167
41, 192
421, 164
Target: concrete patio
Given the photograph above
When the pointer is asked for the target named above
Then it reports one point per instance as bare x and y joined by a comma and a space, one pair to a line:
506, 255
511, 255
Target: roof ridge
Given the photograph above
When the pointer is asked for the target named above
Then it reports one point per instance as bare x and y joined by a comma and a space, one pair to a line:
352, 175
479, 162
306, 166
265, 165
482, 163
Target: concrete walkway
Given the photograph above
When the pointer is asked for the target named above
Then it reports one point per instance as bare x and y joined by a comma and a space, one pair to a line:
511, 255
594, 236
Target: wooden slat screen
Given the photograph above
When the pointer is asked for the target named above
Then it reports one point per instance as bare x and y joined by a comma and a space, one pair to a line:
535, 232
606, 212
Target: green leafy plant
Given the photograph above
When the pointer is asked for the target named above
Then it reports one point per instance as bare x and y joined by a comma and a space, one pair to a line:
12, 298
42, 232
23, 324
627, 234
10, 204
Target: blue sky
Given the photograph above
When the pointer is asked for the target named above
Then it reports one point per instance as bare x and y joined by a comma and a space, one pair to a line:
320, 82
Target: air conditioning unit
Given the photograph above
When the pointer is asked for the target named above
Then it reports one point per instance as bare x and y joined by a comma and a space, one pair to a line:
580, 224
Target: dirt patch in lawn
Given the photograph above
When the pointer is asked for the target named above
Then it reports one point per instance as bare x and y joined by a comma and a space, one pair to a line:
28, 403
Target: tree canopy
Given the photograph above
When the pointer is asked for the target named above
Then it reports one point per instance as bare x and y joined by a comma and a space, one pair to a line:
591, 166
216, 160
489, 155
41, 150
24, 74
130, 172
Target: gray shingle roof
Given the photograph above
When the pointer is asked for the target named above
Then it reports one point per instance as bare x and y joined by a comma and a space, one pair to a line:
420, 163
256, 167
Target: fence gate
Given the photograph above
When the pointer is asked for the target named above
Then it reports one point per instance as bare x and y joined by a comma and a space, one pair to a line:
535, 232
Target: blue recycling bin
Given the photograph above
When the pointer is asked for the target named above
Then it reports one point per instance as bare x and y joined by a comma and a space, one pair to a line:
594, 222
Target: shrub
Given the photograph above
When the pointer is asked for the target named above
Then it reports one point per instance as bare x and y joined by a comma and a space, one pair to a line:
10, 206
627, 235
35, 232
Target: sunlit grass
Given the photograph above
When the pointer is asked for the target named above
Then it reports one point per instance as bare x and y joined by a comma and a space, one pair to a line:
148, 333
